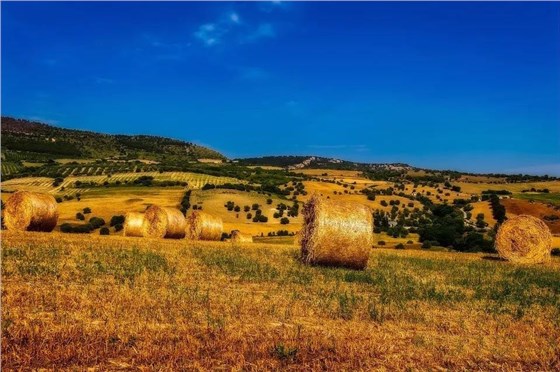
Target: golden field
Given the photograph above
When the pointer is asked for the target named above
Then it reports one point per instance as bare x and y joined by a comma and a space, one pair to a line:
130, 303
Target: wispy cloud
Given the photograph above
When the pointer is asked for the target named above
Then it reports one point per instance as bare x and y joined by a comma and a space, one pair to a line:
232, 28
213, 33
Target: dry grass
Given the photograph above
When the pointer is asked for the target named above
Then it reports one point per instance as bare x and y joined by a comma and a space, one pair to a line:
477, 188
123, 303
516, 207
239, 237
212, 201
484, 208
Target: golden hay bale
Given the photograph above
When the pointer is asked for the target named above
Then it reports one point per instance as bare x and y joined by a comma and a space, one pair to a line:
239, 237
133, 223
203, 226
163, 222
336, 233
31, 211
524, 239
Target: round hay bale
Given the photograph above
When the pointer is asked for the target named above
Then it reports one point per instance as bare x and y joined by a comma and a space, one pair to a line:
133, 224
524, 239
336, 233
203, 226
239, 237
163, 222
31, 211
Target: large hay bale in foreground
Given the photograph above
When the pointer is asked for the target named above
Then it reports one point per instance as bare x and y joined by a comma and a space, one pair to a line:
133, 224
203, 226
336, 233
163, 222
31, 211
239, 237
524, 239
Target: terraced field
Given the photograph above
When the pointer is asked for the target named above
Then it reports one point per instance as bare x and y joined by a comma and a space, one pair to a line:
9, 168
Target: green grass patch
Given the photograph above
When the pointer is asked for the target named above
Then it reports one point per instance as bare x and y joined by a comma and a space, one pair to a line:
552, 198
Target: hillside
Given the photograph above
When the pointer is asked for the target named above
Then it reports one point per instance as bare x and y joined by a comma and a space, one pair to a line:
38, 141
318, 162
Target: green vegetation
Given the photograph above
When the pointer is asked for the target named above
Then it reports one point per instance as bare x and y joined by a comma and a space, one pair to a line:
552, 198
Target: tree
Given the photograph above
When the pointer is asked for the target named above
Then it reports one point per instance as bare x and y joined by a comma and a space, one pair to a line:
255, 206
80, 216
116, 220
284, 220
237, 208
249, 216
268, 201
87, 210
104, 231
96, 222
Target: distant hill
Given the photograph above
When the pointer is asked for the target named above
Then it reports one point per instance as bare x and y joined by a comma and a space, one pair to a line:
38, 140
302, 162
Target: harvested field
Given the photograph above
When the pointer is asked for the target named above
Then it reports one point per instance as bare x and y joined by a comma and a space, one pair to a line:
129, 303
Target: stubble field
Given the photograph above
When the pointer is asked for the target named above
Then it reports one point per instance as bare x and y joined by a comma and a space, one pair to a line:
115, 302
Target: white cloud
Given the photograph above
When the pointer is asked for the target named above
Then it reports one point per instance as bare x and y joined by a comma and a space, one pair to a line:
209, 34
234, 17
229, 26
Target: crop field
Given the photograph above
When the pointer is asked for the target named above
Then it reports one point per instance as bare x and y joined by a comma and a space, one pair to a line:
347, 194
124, 303
194, 180
549, 198
213, 201
9, 168
539, 210
477, 188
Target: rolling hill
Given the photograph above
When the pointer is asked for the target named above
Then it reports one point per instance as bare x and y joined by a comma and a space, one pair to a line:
32, 140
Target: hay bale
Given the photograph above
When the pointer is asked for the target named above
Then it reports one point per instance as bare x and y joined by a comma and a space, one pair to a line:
203, 226
31, 211
133, 223
239, 237
336, 233
163, 222
524, 239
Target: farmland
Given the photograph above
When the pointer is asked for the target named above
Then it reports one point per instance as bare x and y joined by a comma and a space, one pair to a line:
139, 303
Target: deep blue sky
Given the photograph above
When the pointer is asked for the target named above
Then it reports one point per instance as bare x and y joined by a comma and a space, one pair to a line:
468, 86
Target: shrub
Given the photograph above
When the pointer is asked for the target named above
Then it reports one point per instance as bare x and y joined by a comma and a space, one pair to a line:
96, 222
284, 220
555, 251
399, 246
249, 216
104, 231
116, 220
58, 199
80, 216
381, 242
87, 210
410, 242
427, 244
118, 227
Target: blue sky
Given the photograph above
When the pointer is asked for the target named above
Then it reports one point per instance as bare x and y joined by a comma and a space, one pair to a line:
468, 86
